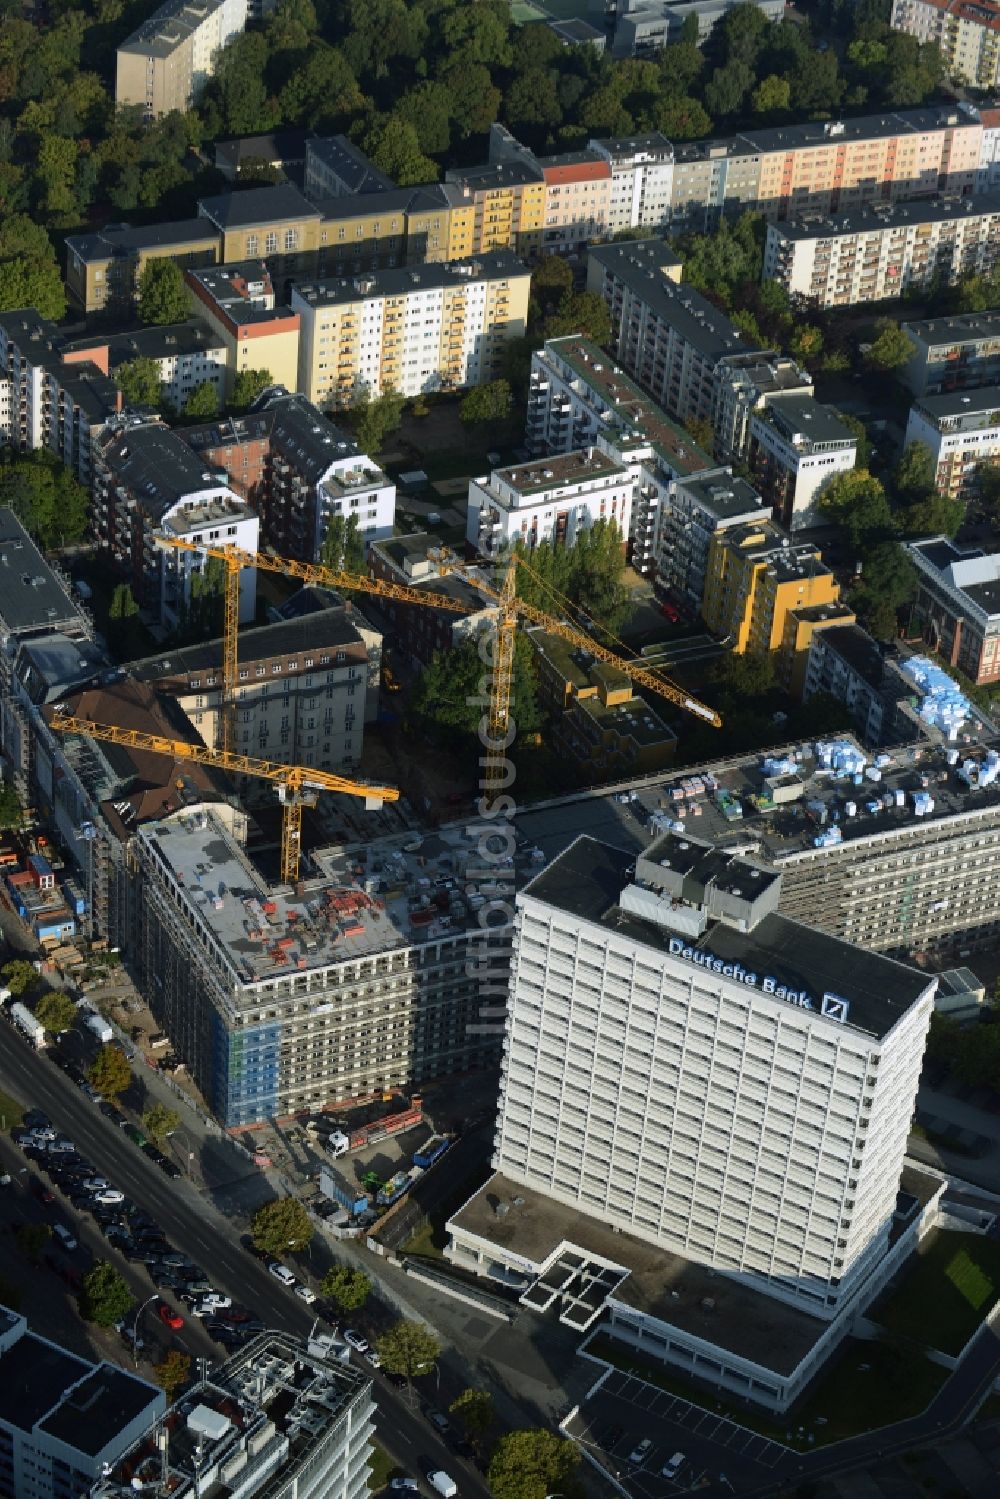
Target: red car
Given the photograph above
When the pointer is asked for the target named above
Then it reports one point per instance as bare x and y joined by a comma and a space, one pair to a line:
670, 611
168, 1316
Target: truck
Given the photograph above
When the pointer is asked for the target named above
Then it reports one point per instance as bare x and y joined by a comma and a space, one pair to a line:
26, 1023
337, 1187
394, 1189
432, 1150
100, 1028
337, 1143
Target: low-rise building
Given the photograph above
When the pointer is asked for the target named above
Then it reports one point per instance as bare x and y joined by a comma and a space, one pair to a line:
165, 64
187, 355
847, 664
336, 168
104, 266
962, 431
693, 510
238, 303
952, 353
279, 150
551, 499
796, 448
419, 562
957, 607
874, 254
442, 327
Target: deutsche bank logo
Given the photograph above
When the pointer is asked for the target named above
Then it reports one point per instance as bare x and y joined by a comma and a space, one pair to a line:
834, 1008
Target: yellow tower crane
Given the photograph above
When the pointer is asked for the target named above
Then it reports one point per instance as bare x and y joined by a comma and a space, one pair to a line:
298, 785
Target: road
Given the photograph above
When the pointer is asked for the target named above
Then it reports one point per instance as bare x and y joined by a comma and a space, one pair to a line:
198, 1230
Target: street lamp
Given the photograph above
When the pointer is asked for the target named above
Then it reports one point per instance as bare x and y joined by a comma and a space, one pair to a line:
135, 1325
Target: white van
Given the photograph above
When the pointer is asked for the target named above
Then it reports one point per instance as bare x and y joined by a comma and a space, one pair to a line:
64, 1236
442, 1484
674, 1466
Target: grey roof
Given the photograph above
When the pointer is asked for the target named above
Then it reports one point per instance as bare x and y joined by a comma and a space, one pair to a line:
34, 1376
308, 600
798, 414
952, 403
276, 146
287, 637
624, 147
350, 164
331, 290
300, 432
257, 205
42, 345
860, 652
495, 175
577, 31
723, 494
964, 327
49, 665
829, 132
130, 239
587, 879
164, 342
102, 1405
31, 596
873, 220
158, 466
168, 27
638, 265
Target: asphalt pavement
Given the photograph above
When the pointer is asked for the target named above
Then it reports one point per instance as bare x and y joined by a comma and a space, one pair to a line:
196, 1228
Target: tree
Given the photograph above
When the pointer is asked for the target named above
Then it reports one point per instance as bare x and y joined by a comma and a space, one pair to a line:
56, 1011
29, 272
934, 515
914, 476
428, 108
394, 147
487, 403
19, 976
891, 348
589, 574
680, 117
110, 1072
856, 426
409, 1349
44, 496
374, 419
247, 386
447, 701
203, 402
32, 1239
702, 431
857, 501
475, 1411
988, 483
584, 313
348, 1287
11, 811
771, 96
746, 675
281, 1225
888, 581
159, 1121
104, 1296
123, 604
163, 296
806, 341
532, 1464
139, 381
343, 548
172, 1372
727, 88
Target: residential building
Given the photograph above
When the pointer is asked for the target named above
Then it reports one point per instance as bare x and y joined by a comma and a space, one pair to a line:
644, 27
962, 431
796, 448
508, 199
47, 402
147, 482
552, 499
952, 353
307, 687
957, 607
598, 722
694, 509
284, 1418
280, 150
577, 200
756, 576
966, 33
104, 267
847, 664
238, 303
336, 168
378, 231
165, 64
63, 1418
370, 992
642, 173
871, 254
442, 327
419, 561
748, 383
297, 469
187, 355
277, 222
667, 1024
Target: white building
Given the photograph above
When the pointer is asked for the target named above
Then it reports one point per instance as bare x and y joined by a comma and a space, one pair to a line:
962, 430
187, 355
63, 1418
434, 327
552, 499
967, 34
873, 254
796, 448
165, 63
642, 174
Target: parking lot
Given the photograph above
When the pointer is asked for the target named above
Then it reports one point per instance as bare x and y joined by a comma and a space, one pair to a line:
626, 1411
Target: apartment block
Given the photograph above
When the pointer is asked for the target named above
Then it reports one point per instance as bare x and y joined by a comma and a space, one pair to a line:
287, 460
187, 355
104, 267
47, 402
371, 991
238, 303
165, 64
642, 174
694, 509
552, 499
847, 664
756, 576
63, 1418
962, 431
598, 722
577, 200
149, 481
953, 353
284, 1418
877, 254
336, 168
420, 562
666, 1023
797, 446
306, 689
442, 327
957, 607
967, 35
508, 202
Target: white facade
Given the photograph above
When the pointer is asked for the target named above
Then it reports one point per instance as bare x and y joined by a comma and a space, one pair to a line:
45, 403
796, 447
354, 486
553, 499
220, 518
962, 431
648, 1044
182, 371
642, 176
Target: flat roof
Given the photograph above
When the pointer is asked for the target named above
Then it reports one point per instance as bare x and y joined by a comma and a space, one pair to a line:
799, 415
624, 147
560, 469
332, 291
492, 175
275, 145
168, 27
32, 597
34, 1377
746, 1322
635, 720
877, 219
587, 879
959, 403
820, 133
288, 637
724, 495
963, 327
257, 205
99, 1408
765, 541
170, 341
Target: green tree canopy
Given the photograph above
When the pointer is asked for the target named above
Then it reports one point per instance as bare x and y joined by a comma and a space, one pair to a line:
409, 1349
159, 1121
475, 1412
139, 380
32, 1239
19, 976
123, 604
247, 386
857, 501
343, 547
393, 145
29, 272
281, 1225
376, 417
888, 582
203, 402
110, 1072
163, 295
448, 699
487, 403
583, 312
11, 811
104, 1296
173, 1372
532, 1465
589, 574
346, 1286
891, 348
41, 491
56, 1011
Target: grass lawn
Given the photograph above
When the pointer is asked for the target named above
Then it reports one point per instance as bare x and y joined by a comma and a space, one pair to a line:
945, 1293
383, 1468
11, 1112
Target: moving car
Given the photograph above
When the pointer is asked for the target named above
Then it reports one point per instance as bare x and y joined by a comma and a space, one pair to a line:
440, 1420
355, 1340
405, 1485
168, 1316
281, 1272
63, 1234
306, 1294
372, 1357
442, 1483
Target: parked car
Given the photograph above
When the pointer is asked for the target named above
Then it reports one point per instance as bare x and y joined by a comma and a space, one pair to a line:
373, 1357
355, 1340
168, 1316
281, 1272
641, 1451
306, 1294
64, 1235
109, 1195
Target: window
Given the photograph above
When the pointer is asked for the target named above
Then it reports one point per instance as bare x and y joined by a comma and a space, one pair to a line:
271, 243
253, 244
